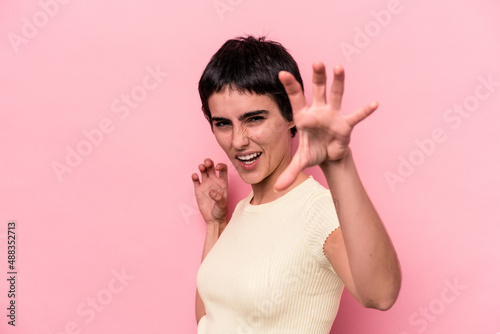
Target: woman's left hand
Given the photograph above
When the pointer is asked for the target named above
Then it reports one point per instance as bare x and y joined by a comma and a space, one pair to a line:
324, 131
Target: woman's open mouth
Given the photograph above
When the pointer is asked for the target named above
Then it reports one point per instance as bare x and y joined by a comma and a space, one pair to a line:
249, 161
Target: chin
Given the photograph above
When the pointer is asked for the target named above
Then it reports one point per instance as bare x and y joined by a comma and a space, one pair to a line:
251, 179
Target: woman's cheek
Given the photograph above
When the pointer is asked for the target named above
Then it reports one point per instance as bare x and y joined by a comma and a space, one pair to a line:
224, 140
272, 130
260, 134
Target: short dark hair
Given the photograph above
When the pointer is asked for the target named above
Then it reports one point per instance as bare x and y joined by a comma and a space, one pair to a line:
249, 64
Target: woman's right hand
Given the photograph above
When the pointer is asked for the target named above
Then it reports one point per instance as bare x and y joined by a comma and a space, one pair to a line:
211, 191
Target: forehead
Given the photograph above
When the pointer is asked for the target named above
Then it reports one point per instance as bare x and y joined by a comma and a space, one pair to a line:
231, 102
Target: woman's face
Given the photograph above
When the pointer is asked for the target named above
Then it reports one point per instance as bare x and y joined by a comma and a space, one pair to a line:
254, 134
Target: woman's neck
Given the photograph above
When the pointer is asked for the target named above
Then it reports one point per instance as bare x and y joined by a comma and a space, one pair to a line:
263, 192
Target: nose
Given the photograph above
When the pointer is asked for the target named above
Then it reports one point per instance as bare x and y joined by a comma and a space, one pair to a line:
240, 138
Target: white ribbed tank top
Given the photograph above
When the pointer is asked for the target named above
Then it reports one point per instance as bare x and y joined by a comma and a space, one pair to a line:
267, 272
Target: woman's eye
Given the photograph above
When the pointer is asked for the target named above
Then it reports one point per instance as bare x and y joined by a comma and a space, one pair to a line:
255, 119
221, 124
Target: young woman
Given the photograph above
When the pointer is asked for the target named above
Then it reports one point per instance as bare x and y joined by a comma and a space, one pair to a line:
281, 263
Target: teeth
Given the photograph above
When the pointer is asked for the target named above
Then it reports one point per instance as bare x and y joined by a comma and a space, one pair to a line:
245, 158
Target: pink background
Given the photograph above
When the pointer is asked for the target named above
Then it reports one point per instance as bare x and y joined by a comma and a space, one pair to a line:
127, 207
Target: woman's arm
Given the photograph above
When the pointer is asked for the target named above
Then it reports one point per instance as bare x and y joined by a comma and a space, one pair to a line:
211, 196
360, 251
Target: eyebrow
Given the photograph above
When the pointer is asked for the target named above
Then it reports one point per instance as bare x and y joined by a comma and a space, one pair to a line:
242, 117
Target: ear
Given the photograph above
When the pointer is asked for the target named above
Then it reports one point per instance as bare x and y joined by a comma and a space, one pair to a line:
291, 124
